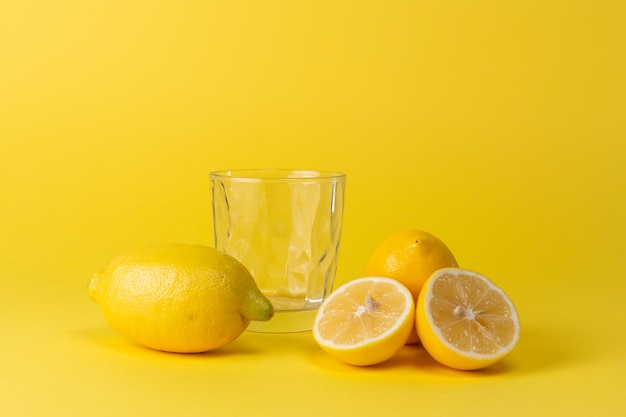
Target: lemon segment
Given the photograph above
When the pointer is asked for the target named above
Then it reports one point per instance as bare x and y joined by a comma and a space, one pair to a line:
365, 321
178, 297
464, 320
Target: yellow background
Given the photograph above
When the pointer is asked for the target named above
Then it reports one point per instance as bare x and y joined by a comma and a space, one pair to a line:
498, 126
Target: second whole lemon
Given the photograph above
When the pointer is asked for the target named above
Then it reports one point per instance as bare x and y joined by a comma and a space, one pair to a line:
178, 297
410, 256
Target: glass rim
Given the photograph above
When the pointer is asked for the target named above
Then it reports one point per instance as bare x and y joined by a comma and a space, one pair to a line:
276, 174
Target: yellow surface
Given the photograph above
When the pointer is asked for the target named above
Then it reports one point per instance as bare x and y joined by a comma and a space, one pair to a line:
497, 126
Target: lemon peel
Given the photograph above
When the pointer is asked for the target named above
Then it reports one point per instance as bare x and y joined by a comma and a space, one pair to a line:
178, 297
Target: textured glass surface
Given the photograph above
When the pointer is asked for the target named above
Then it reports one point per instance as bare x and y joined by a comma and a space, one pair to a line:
285, 227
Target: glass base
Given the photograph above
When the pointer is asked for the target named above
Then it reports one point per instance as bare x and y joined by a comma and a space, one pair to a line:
289, 321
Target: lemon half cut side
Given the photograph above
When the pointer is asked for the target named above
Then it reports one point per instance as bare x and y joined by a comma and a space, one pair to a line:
365, 321
464, 320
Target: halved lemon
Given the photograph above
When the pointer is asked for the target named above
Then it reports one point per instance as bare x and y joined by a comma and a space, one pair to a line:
464, 320
365, 321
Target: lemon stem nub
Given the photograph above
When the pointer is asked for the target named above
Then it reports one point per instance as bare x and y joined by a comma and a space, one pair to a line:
371, 304
257, 307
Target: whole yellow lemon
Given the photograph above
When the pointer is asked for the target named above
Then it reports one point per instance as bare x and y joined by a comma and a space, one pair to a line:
410, 256
178, 297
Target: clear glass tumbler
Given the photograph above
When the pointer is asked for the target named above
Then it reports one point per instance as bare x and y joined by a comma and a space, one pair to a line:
285, 227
